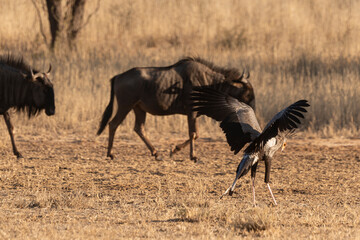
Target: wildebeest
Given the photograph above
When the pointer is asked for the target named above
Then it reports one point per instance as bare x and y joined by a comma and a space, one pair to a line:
23, 89
166, 91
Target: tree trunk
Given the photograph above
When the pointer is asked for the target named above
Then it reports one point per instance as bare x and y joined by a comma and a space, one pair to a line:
55, 19
74, 20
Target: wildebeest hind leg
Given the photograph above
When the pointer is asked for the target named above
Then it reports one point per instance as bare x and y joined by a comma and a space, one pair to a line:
10, 129
140, 117
113, 125
179, 147
193, 135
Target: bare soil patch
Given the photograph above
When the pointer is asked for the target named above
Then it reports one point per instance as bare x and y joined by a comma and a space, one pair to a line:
66, 188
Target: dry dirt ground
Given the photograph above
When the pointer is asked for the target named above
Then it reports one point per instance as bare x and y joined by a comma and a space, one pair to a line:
66, 188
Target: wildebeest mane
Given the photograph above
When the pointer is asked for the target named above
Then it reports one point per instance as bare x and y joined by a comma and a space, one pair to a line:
15, 86
230, 74
17, 63
172, 83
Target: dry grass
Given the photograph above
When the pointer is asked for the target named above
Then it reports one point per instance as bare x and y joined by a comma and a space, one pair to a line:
65, 188
297, 49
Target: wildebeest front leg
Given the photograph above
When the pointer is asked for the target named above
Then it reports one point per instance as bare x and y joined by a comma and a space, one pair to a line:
193, 135
10, 129
140, 117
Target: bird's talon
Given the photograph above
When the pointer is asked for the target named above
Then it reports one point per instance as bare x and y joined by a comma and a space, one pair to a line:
172, 151
195, 159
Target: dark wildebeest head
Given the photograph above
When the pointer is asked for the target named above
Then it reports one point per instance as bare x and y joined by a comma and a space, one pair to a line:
42, 91
228, 80
24, 89
240, 88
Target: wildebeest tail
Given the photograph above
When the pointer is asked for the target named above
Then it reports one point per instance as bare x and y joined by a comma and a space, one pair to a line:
108, 111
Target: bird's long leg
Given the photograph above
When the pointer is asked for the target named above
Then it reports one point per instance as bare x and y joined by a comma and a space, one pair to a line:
253, 174
230, 190
253, 190
267, 160
272, 195
225, 192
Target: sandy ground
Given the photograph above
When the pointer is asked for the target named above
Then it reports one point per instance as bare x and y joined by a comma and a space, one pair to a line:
65, 187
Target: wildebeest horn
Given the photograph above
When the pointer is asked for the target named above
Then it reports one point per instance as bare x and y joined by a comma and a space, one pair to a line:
242, 75
248, 75
243, 78
32, 74
48, 72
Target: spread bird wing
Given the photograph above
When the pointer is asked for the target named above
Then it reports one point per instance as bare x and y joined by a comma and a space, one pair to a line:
238, 120
284, 122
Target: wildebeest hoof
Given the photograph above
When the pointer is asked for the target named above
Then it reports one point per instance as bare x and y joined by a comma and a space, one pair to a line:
195, 159
157, 156
19, 156
173, 151
111, 156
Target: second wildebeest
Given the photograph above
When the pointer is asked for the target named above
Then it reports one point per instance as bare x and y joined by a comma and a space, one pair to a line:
165, 91
24, 89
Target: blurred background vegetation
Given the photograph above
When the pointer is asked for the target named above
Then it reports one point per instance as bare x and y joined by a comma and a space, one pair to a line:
293, 50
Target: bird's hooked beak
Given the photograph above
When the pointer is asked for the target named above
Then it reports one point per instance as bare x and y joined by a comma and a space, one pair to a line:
283, 146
